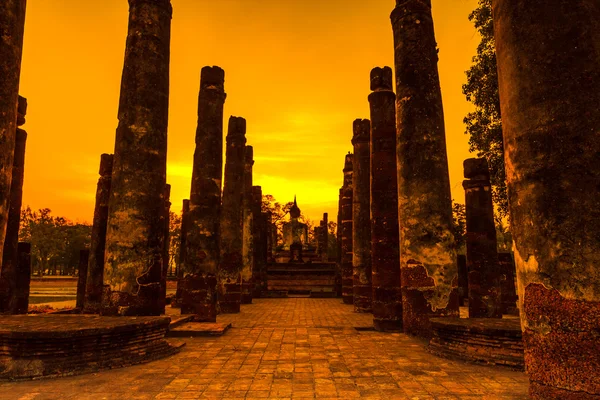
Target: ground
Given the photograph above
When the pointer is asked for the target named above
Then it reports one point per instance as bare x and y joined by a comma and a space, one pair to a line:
289, 349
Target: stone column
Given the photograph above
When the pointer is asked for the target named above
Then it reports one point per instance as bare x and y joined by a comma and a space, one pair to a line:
135, 233
12, 25
338, 259
166, 245
259, 247
507, 283
428, 256
346, 206
482, 247
95, 278
463, 279
361, 216
10, 256
230, 268
21, 297
84, 258
549, 85
385, 257
201, 247
248, 228
325, 238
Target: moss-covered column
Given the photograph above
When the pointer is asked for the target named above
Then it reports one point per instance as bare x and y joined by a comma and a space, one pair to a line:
135, 234
259, 245
84, 257
198, 283
10, 257
230, 268
428, 254
482, 253
549, 83
12, 25
346, 207
95, 278
248, 229
385, 258
361, 216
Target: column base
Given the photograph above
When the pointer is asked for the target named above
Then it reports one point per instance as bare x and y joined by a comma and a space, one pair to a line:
387, 325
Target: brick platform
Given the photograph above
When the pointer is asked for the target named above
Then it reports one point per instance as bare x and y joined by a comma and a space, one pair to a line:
479, 340
34, 346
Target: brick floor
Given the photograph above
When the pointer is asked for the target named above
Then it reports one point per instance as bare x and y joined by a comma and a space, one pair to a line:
293, 348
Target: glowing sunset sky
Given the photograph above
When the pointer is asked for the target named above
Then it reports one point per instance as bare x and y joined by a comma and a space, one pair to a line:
297, 70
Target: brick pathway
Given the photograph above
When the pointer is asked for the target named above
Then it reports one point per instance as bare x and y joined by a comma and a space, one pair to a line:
290, 349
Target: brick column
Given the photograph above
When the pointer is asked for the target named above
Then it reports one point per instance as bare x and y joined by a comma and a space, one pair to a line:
135, 234
361, 216
95, 278
21, 298
346, 207
385, 258
428, 256
84, 257
230, 268
248, 228
549, 84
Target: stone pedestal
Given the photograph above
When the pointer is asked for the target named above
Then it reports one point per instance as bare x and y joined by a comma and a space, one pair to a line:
361, 216
346, 209
197, 283
428, 256
482, 252
385, 257
10, 257
230, 267
84, 257
549, 86
12, 25
135, 232
95, 279
248, 228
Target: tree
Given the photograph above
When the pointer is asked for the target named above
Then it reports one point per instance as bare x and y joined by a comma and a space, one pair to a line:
459, 227
278, 213
174, 242
484, 125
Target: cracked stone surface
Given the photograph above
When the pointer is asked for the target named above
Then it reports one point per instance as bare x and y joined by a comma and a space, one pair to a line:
289, 349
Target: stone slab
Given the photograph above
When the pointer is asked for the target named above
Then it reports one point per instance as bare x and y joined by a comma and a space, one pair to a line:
199, 329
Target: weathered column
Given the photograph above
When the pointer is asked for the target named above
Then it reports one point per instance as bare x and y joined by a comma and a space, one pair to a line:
482, 248
361, 216
259, 246
12, 25
549, 84
507, 283
248, 228
21, 297
325, 238
347, 290
385, 258
134, 235
84, 258
271, 237
95, 278
463, 279
166, 244
230, 268
338, 259
185, 211
10, 256
428, 255
199, 280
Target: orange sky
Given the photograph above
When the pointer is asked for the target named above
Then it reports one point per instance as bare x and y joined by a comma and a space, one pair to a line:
297, 70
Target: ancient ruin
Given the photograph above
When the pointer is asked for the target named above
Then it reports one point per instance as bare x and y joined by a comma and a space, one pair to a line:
248, 222
12, 25
361, 216
135, 231
200, 245
95, 270
551, 146
9, 271
231, 262
385, 257
295, 235
427, 256
346, 226
482, 253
